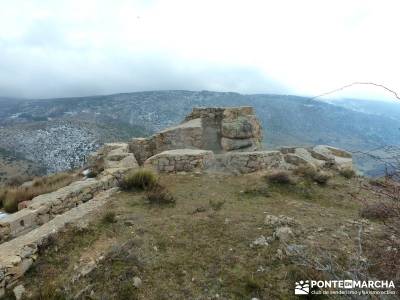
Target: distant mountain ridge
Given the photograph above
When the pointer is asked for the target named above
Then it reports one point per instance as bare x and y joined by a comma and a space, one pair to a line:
287, 120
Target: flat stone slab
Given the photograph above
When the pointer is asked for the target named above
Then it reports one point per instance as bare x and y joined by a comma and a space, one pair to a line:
18, 255
180, 160
318, 156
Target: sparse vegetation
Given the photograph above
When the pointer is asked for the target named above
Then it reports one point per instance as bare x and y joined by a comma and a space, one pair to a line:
17, 180
142, 179
321, 178
164, 242
216, 204
96, 168
280, 177
347, 173
310, 173
159, 194
109, 217
378, 211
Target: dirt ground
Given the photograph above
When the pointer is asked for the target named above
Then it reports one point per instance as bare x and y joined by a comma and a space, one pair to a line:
213, 243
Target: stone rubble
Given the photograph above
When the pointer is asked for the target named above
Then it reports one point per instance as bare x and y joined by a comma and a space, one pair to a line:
17, 255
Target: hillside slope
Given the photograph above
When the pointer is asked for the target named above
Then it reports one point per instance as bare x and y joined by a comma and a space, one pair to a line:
227, 237
287, 120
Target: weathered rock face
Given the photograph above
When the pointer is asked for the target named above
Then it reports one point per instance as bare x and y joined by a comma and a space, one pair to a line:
217, 129
181, 160
229, 128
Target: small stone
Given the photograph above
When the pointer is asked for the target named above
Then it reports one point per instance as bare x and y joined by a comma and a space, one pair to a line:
129, 223
279, 254
261, 241
19, 291
137, 282
283, 233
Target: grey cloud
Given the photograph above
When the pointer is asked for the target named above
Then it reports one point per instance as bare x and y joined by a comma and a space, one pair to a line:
38, 71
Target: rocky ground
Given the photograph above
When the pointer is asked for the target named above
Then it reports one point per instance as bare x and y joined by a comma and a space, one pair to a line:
226, 237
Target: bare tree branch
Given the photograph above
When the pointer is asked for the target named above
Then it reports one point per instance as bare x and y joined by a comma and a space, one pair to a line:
395, 94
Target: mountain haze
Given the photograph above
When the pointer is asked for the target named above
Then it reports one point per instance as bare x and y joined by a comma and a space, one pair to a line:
59, 133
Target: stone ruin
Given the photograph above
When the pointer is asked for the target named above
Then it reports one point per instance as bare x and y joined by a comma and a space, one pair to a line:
209, 139
226, 139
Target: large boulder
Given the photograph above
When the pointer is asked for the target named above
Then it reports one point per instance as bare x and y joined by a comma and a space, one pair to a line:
319, 156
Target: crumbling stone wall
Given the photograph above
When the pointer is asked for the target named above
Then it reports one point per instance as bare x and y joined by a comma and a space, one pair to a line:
181, 160
218, 129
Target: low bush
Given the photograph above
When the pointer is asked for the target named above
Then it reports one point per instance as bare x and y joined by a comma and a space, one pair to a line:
10, 205
96, 168
312, 174
17, 180
280, 177
347, 173
142, 179
377, 211
109, 217
216, 205
305, 171
159, 194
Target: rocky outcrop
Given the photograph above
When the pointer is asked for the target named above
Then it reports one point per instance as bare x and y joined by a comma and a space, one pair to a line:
187, 135
217, 129
318, 157
234, 135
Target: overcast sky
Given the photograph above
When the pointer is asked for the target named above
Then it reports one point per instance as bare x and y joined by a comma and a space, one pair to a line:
59, 48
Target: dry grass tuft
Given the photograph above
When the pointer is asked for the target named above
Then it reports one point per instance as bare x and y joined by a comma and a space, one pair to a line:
377, 211
142, 179
312, 174
13, 195
159, 194
280, 177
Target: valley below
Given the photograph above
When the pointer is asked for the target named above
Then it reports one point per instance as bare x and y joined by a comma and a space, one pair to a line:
53, 135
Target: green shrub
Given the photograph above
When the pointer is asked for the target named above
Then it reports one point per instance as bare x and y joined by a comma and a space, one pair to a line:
347, 173
109, 217
216, 205
280, 177
3, 193
159, 194
142, 179
10, 205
